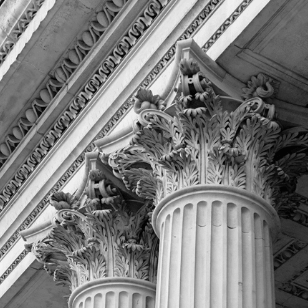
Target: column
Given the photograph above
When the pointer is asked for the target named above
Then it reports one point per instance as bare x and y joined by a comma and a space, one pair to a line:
114, 293
215, 248
102, 245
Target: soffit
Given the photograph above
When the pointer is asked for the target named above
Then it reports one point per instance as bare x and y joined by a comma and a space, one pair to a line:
275, 43
35, 289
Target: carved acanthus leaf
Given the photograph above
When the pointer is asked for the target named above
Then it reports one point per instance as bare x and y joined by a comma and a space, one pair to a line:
212, 140
100, 238
261, 86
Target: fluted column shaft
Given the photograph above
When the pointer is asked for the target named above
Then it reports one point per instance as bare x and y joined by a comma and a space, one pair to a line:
114, 293
215, 249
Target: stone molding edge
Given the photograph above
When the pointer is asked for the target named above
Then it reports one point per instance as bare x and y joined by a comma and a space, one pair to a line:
13, 265
78, 162
142, 284
293, 288
35, 158
60, 75
227, 23
19, 28
287, 252
206, 12
102, 74
20, 44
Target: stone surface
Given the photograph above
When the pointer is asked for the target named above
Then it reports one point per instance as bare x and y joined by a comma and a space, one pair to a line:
289, 252
215, 249
114, 293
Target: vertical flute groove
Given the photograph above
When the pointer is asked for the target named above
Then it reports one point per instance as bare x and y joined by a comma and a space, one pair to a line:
163, 303
248, 260
268, 266
187, 262
221, 253
160, 257
175, 253
259, 263
216, 277
232, 256
201, 254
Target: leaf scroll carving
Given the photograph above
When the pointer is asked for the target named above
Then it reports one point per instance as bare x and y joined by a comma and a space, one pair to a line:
210, 139
98, 237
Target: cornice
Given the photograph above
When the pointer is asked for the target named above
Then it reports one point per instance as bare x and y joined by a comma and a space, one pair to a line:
226, 24
13, 265
58, 128
288, 251
156, 71
60, 75
33, 19
102, 74
20, 27
77, 105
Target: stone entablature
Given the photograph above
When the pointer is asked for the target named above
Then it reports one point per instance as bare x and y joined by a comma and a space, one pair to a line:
59, 185
214, 167
61, 74
21, 25
101, 76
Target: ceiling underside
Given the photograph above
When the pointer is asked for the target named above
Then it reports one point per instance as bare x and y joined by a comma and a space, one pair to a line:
275, 44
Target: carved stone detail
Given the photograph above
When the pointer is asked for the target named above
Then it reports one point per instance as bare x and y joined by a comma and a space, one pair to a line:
19, 28
288, 252
294, 290
127, 292
102, 74
206, 139
226, 24
200, 19
60, 76
98, 236
261, 86
144, 99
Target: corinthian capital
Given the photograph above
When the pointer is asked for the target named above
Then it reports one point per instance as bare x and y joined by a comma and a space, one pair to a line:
101, 232
205, 138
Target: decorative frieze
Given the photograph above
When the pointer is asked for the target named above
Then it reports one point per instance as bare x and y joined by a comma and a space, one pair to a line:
261, 86
288, 252
99, 78
20, 27
29, 165
226, 24
301, 217
60, 75
294, 288
13, 265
